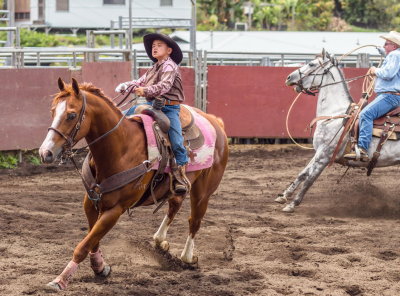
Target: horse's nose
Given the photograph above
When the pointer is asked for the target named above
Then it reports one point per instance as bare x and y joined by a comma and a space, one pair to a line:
47, 156
288, 78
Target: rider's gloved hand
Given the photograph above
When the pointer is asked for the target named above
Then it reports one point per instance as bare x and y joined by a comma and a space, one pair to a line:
121, 87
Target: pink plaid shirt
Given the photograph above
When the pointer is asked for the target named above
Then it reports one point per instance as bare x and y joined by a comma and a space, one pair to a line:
163, 79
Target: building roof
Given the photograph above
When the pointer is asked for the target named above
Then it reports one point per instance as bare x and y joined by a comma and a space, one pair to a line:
279, 41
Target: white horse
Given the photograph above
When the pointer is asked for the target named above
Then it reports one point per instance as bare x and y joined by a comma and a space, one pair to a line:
323, 75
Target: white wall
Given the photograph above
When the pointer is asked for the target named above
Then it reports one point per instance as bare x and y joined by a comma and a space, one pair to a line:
95, 14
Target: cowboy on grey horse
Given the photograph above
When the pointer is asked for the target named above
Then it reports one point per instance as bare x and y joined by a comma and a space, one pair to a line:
387, 87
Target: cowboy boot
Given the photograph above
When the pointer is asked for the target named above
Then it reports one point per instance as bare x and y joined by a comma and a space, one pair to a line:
359, 154
180, 182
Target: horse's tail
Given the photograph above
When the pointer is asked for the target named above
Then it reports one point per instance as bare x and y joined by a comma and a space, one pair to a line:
220, 122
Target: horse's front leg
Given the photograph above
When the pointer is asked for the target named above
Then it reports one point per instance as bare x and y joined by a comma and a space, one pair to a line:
97, 262
308, 176
90, 243
160, 236
283, 198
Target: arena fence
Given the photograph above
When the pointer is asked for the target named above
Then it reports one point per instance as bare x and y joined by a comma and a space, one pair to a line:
252, 101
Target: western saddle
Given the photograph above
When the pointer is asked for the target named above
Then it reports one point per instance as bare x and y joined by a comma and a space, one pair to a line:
385, 128
192, 135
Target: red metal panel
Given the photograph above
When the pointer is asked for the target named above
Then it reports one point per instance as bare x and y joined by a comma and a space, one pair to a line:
355, 86
106, 75
187, 81
25, 99
254, 101
26, 96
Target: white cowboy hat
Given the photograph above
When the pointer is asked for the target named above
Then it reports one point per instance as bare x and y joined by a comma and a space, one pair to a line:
393, 36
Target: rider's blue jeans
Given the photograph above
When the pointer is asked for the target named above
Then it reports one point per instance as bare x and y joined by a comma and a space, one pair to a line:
377, 108
174, 133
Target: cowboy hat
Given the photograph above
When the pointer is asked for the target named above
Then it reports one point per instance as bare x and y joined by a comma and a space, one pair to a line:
176, 54
393, 36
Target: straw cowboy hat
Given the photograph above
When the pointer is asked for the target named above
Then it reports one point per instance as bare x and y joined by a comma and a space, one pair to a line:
176, 54
393, 36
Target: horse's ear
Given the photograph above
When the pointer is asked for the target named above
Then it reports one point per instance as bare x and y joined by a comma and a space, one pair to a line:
61, 84
75, 86
334, 61
323, 53
328, 55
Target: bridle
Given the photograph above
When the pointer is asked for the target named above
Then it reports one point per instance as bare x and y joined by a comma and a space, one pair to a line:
70, 142
70, 138
313, 90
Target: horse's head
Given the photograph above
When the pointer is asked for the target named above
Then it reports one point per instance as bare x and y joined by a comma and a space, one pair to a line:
68, 113
310, 78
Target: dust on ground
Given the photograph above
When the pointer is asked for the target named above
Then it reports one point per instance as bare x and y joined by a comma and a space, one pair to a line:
343, 239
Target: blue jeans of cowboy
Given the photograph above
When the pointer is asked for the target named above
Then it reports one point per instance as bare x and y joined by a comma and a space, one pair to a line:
377, 108
174, 133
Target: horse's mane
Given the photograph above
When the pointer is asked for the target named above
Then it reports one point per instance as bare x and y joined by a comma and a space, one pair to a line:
90, 88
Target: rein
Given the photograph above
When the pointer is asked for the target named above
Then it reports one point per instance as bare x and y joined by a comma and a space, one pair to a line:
367, 89
95, 191
80, 150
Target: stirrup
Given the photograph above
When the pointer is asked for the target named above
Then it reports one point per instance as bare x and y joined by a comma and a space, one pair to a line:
180, 183
357, 155
180, 189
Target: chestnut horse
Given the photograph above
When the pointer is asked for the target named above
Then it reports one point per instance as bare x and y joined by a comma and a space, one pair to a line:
84, 112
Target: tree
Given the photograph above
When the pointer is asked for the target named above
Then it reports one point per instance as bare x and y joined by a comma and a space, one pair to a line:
226, 11
377, 14
314, 15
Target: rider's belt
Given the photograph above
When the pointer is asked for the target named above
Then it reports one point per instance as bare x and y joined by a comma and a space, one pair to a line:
170, 102
391, 92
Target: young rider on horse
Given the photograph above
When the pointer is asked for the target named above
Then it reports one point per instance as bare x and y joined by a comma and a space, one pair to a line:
387, 88
161, 85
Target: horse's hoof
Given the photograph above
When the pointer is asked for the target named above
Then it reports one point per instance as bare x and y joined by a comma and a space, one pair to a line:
164, 245
105, 273
281, 199
288, 209
194, 260
53, 286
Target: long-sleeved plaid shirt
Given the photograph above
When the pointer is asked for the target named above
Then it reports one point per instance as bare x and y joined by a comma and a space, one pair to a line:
163, 79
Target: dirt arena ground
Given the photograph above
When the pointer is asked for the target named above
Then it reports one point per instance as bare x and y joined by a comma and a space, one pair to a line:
343, 240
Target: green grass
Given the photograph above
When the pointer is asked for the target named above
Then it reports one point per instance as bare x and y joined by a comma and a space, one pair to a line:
8, 160
33, 159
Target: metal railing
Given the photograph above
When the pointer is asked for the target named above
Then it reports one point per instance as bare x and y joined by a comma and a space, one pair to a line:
154, 23
73, 57
58, 57
15, 35
4, 15
38, 56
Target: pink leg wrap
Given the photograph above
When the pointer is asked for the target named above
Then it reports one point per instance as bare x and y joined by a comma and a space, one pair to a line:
66, 275
97, 261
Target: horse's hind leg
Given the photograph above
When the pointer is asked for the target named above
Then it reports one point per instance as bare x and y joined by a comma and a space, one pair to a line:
198, 207
160, 236
309, 175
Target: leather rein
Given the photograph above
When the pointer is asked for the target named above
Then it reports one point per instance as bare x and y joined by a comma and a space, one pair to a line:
114, 182
352, 112
315, 89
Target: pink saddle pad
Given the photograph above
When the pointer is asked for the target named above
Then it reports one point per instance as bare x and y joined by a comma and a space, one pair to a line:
203, 156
